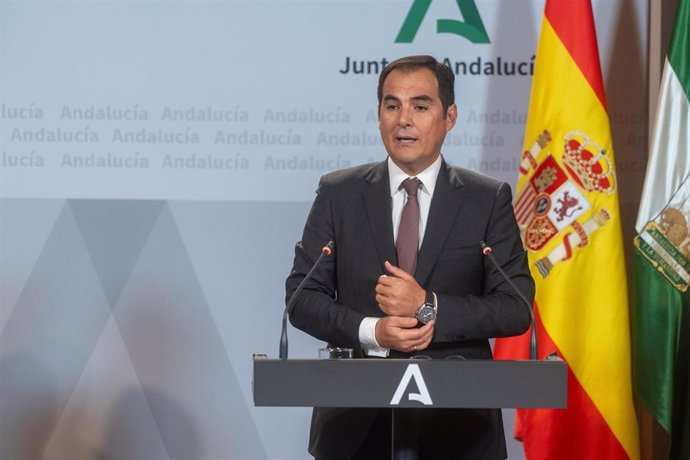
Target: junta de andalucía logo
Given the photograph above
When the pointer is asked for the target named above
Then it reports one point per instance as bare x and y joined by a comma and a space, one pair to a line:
471, 28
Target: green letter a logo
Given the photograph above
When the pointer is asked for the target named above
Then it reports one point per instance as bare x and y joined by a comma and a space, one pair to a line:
472, 29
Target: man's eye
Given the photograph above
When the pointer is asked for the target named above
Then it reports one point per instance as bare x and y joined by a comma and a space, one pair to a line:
392, 107
421, 108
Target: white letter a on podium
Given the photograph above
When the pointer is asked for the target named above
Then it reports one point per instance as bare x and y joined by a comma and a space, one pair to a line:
413, 372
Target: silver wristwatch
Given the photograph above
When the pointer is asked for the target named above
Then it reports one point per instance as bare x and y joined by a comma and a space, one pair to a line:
427, 311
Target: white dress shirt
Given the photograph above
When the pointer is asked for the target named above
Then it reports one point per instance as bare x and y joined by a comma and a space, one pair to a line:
428, 177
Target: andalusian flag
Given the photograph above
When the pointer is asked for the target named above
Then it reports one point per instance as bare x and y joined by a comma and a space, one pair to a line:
661, 318
566, 204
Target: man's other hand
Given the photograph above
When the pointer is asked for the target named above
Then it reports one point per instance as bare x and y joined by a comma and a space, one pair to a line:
399, 294
400, 333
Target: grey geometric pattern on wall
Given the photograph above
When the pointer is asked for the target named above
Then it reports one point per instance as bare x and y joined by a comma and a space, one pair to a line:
127, 329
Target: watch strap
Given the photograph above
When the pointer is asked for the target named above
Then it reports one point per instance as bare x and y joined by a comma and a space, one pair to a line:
430, 298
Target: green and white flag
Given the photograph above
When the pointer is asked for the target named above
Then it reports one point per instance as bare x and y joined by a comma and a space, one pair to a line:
661, 315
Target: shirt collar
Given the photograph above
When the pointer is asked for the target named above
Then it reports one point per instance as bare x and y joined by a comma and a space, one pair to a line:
428, 176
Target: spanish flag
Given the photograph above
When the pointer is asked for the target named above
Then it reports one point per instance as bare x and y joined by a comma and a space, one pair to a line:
566, 204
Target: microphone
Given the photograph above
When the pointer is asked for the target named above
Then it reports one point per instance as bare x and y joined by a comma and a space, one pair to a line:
327, 250
486, 250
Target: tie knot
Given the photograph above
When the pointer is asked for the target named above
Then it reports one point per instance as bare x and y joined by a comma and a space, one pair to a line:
411, 185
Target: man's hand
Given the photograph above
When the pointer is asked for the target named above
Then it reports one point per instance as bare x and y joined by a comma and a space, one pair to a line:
400, 333
399, 294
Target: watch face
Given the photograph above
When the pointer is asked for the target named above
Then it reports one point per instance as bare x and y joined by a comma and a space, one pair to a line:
426, 314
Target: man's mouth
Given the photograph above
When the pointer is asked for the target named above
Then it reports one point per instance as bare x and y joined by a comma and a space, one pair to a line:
406, 139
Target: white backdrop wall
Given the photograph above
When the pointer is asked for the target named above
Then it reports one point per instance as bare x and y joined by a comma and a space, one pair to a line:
158, 162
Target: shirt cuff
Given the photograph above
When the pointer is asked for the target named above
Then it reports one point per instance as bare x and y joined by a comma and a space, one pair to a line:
367, 338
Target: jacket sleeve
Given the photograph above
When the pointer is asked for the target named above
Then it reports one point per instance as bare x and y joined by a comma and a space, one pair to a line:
496, 310
317, 310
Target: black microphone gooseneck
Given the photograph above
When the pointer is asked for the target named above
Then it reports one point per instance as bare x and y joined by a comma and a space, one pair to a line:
325, 251
486, 250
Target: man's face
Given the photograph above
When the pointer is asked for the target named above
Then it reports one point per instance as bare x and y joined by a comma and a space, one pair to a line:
412, 122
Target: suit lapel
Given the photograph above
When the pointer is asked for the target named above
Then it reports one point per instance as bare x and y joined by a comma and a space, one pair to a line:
445, 204
377, 203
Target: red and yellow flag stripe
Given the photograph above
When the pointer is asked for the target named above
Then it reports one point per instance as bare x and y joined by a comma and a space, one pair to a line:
578, 264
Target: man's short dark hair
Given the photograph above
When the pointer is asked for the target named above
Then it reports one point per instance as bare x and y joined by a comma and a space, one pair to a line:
444, 76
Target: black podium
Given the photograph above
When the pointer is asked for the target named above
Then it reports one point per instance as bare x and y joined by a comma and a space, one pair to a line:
409, 383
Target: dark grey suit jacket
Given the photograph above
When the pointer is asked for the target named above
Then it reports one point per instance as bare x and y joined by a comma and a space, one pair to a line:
353, 209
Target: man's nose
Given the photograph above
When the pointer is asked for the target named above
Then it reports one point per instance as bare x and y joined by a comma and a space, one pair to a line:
405, 118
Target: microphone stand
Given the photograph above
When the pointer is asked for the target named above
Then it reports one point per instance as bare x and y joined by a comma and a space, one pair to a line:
486, 250
283, 350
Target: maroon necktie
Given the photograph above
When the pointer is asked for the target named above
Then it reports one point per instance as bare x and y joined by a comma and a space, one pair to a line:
407, 244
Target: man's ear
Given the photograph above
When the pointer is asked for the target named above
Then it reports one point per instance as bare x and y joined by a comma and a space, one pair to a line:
451, 117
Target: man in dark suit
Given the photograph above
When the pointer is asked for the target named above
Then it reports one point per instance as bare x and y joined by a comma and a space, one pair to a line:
441, 299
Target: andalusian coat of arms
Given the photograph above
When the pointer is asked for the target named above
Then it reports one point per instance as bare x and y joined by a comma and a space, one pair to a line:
665, 239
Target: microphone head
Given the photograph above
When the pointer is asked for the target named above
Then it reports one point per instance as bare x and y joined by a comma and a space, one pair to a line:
486, 249
328, 249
